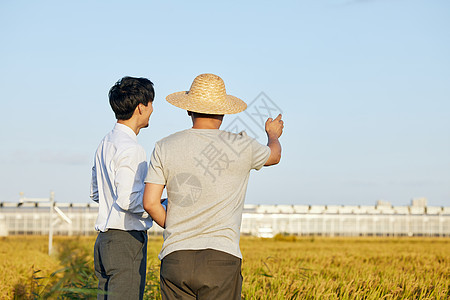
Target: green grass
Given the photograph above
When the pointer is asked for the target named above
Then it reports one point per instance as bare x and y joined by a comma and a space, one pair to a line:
279, 268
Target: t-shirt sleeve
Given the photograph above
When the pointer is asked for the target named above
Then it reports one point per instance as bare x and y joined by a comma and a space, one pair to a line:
260, 154
155, 172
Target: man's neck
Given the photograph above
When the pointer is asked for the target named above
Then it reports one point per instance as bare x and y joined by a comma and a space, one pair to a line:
130, 123
203, 121
206, 123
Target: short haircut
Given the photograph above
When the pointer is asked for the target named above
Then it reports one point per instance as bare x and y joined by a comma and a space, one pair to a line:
202, 115
126, 95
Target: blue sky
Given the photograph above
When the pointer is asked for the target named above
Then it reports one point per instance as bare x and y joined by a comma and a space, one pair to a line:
364, 87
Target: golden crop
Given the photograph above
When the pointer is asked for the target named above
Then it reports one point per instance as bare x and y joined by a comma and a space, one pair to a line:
279, 268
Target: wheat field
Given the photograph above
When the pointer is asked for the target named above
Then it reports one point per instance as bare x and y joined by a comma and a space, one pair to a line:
278, 268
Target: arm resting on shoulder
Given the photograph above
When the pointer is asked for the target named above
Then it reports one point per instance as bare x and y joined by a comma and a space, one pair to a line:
152, 203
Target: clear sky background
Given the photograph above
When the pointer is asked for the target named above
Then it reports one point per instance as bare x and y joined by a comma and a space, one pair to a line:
364, 87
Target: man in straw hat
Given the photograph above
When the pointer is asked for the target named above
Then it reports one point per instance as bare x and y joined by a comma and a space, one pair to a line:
205, 171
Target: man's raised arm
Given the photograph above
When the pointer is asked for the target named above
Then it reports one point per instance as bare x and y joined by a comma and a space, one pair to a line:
274, 129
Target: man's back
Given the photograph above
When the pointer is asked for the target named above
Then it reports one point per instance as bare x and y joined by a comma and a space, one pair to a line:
206, 172
119, 192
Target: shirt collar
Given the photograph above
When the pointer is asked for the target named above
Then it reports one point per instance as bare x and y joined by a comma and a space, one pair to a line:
126, 129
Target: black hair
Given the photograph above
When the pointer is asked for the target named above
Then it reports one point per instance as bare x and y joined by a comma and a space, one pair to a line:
127, 93
202, 115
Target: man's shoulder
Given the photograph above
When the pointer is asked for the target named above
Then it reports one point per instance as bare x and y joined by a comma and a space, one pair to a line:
242, 136
121, 137
241, 143
120, 143
173, 137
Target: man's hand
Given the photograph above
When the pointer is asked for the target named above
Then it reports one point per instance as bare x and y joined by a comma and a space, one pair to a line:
274, 129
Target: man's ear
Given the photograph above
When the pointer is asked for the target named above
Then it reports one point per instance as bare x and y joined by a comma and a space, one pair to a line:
139, 109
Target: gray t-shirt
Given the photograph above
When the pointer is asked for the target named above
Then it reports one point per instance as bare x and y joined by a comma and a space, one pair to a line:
206, 173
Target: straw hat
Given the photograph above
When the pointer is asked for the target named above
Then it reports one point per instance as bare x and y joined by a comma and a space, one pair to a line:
207, 95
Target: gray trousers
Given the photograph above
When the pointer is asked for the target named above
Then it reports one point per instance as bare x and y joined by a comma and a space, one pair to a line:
120, 260
201, 274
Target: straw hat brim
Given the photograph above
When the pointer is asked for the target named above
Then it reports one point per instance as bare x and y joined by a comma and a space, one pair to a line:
227, 105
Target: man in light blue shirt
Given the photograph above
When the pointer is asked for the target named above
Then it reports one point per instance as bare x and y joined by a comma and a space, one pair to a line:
120, 167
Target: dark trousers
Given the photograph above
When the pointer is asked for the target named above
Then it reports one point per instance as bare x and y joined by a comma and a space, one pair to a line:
201, 274
120, 260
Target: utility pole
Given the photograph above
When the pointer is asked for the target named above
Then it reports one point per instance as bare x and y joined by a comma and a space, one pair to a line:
50, 231
53, 208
